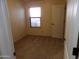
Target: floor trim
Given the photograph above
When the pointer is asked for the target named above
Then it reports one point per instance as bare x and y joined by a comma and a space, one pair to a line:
66, 56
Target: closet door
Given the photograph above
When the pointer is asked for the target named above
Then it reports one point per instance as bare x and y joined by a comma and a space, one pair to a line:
57, 23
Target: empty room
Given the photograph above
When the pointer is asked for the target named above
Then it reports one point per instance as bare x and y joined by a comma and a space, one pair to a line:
38, 28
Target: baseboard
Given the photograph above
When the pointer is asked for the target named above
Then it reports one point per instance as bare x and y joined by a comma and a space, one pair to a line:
39, 35
20, 37
58, 36
66, 56
45, 36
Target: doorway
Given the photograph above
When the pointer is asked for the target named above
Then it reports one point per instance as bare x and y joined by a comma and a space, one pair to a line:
40, 37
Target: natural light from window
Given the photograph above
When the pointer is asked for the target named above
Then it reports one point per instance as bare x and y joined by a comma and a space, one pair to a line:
35, 12
35, 15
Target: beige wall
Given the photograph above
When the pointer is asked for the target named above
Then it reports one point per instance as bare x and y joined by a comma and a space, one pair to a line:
17, 18
46, 6
44, 29
18, 14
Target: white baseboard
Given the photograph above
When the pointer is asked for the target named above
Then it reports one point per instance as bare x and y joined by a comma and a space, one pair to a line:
60, 36
66, 56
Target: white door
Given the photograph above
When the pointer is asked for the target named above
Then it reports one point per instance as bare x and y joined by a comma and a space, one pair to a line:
57, 24
72, 29
6, 42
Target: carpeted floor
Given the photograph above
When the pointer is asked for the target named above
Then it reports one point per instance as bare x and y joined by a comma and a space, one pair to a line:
38, 47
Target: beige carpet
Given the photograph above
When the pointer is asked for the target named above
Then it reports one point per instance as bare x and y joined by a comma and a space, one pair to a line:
37, 47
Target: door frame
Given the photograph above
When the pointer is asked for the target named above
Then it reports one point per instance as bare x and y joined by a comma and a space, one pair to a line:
6, 39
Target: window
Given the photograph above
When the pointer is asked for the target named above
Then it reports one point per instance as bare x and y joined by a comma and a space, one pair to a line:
35, 15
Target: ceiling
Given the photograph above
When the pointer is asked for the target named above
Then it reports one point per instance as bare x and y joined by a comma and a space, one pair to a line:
52, 1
